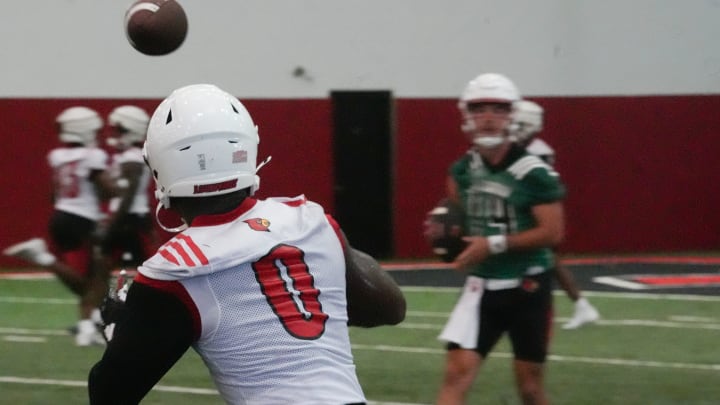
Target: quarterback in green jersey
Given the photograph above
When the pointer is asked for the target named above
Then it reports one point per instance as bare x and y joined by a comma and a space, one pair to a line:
499, 201
514, 219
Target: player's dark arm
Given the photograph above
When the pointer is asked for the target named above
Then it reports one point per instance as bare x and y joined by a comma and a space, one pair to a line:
373, 297
153, 333
104, 184
131, 172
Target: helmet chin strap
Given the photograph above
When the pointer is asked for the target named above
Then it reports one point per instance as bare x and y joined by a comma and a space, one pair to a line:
177, 229
256, 185
164, 201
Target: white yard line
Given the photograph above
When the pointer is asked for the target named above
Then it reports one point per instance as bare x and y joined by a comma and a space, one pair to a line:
555, 358
677, 324
41, 332
24, 339
601, 294
75, 383
36, 300
163, 388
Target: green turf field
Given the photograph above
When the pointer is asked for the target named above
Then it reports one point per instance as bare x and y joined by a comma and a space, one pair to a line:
647, 349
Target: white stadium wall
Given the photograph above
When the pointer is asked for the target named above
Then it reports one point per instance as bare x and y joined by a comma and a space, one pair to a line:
631, 90
416, 48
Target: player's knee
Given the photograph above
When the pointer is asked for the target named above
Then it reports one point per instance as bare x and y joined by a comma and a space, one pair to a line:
462, 365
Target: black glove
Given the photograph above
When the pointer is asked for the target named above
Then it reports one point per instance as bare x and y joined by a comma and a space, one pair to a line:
112, 310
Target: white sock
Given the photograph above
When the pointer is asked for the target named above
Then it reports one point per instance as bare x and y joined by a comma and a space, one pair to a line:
96, 317
86, 326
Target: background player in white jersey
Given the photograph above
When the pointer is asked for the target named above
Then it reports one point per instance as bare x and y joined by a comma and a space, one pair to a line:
527, 124
263, 290
129, 236
80, 181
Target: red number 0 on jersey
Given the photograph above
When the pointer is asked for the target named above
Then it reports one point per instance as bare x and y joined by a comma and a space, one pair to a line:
303, 323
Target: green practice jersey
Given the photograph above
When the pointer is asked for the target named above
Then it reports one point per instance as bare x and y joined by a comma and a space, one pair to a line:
499, 200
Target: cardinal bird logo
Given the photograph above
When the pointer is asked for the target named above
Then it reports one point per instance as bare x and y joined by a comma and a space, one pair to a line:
258, 224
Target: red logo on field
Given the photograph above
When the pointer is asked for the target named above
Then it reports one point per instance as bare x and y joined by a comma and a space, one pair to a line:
258, 224
679, 280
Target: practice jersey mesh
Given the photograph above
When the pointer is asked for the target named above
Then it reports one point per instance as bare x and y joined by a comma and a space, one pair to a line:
268, 282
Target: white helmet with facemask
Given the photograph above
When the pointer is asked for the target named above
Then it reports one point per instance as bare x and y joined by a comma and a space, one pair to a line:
79, 125
486, 88
131, 123
527, 121
201, 142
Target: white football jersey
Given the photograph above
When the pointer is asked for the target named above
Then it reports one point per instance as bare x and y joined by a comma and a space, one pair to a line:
74, 191
267, 283
141, 203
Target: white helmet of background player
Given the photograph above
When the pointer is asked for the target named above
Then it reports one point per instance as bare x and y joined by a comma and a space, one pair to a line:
78, 125
201, 142
486, 88
130, 124
527, 121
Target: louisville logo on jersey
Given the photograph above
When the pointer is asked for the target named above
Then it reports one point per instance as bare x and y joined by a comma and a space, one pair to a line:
258, 224
529, 285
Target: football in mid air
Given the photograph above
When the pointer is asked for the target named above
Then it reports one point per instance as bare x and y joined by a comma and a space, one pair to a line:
156, 27
447, 221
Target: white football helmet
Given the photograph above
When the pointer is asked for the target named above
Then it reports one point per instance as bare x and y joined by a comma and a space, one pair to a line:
131, 122
486, 88
527, 121
79, 125
201, 142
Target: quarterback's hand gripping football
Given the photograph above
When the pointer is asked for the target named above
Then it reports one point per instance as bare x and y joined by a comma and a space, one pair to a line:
443, 229
432, 229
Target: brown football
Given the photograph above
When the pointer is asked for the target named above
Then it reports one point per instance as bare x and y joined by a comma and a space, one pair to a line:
156, 27
450, 216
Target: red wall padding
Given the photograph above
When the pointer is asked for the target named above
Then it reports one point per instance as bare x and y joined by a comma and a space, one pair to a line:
296, 133
641, 171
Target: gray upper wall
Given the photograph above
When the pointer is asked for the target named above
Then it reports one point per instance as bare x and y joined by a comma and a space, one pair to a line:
416, 48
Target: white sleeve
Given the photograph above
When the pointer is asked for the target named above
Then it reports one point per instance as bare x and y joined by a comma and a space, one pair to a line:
97, 159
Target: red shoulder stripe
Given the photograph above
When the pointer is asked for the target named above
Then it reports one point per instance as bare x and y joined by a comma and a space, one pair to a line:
181, 251
195, 249
296, 203
169, 257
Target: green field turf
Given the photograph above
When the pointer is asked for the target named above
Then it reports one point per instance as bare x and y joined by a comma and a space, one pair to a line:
647, 349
